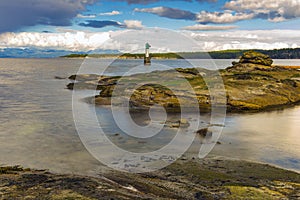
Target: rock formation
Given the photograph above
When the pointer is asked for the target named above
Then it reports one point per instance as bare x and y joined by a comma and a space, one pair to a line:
253, 60
256, 58
252, 84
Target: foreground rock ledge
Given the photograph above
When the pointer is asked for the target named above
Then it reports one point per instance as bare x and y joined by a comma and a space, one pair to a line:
213, 178
252, 85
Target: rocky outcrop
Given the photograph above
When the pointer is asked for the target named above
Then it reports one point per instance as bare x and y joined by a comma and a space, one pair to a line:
256, 58
252, 60
187, 178
251, 85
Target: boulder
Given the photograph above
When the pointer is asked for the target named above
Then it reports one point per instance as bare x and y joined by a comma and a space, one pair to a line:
256, 58
202, 132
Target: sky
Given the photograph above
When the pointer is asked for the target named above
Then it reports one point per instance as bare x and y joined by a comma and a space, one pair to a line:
125, 25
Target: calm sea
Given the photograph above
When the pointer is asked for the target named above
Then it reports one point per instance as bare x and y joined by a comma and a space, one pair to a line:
37, 128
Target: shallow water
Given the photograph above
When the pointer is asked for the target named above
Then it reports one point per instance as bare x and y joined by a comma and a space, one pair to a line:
37, 128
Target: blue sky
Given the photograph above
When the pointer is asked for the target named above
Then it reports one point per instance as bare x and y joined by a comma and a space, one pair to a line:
100, 11
104, 11
79, 25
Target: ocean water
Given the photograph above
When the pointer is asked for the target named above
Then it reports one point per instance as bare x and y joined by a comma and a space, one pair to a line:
37, 126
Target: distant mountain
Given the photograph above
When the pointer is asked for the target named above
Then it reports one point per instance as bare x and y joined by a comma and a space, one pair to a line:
42, 53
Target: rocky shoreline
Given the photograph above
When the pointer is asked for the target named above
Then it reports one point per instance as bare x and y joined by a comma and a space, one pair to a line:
187, 178
251, 85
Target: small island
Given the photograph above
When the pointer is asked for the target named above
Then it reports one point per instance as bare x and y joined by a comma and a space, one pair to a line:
253, 84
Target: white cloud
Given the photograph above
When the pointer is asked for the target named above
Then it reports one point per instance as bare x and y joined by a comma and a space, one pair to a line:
114, 12
133, 24
70, 41
256, 39
274, 10
85, 16
222, 17
274, 5
200, 27
161, 40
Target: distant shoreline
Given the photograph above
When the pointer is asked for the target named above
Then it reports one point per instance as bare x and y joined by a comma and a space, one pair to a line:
227, 54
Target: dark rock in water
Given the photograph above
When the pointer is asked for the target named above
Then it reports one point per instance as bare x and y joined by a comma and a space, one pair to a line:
235, 63
85, 77
192, 71
58, 77
70, 86
182, 123
256, 58
202, 132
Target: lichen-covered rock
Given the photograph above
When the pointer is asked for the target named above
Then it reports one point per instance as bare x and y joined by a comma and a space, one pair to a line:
256, 58
249, 87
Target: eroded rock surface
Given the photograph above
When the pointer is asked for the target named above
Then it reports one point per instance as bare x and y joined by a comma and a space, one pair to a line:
252, 84
187, 178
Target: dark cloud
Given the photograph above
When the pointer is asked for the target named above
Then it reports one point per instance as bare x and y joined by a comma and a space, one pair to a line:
171, 13
100, 24
15, 14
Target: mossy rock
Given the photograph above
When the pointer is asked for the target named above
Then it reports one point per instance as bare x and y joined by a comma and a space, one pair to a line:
256, 58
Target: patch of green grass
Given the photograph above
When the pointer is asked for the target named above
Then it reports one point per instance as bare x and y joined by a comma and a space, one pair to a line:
296, 75
241, 192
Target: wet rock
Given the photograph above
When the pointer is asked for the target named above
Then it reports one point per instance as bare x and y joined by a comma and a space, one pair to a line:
59, 77
251, 85
182, 123
192, 71
202, 132
84, 77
